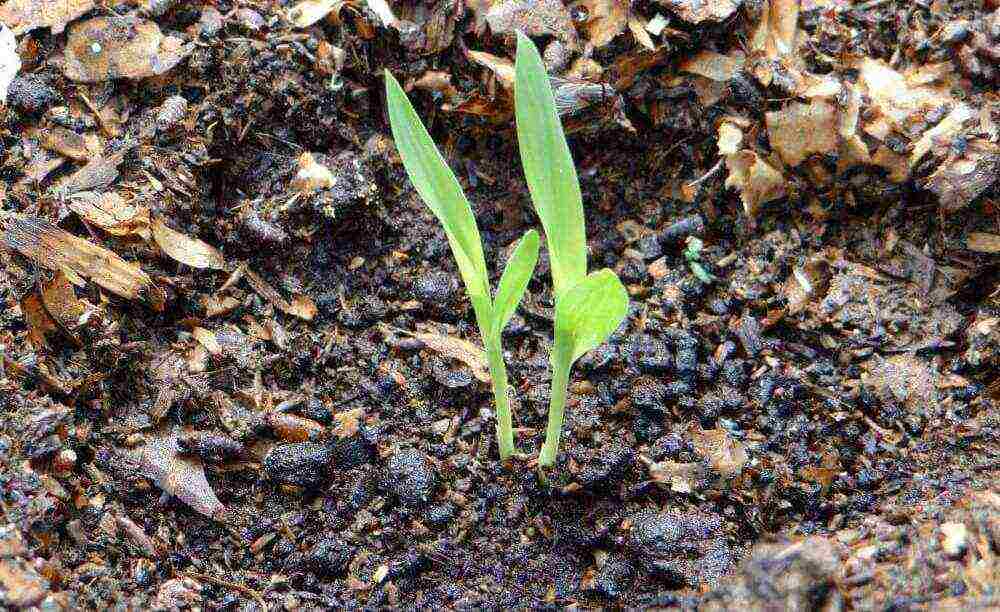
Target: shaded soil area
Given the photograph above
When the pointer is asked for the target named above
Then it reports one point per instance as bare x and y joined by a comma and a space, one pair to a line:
233, 361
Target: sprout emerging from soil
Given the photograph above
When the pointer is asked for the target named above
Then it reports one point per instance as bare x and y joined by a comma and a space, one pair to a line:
589, 307
439, 188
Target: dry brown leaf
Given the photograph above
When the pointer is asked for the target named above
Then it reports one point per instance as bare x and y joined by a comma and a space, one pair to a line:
697, 11
59, 250
301, 306
181, 476
26, 15
111, 213
502, 67
312, 176
983, 243
437, 81
39, 323
726, 455
185, 249
207, 339
106, 48
219, 305
605, 19
682, 478
637, 26
452, 348
800, 130
66, 142
307, 12
960, 180
57, 308
757, 181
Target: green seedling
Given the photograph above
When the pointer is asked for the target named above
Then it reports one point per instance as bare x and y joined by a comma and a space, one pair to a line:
439, 188
693, 255
589, 307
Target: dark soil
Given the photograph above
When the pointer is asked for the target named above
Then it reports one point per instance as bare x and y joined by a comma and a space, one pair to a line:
736, 444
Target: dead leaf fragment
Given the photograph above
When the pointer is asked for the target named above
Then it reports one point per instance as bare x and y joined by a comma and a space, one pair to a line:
534, 18
59, 250
726, 455
348, 422
312, 176
66, 143
605, 20
715, 66
800, 130
301, 306
179, 475
26, 15
502, 67
10, 61
982, 242
450, 347
207, 339
219, 305
56, 308
97, 175
308, 12
697, 11
960, 180
757, 181
185, 249
107, 48
111, 213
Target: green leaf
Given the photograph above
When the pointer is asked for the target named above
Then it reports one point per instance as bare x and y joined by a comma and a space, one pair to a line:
438, 187
514, 280
548, 168
590, 312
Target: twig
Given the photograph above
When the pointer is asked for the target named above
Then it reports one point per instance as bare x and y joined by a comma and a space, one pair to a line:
232, 585
708, 174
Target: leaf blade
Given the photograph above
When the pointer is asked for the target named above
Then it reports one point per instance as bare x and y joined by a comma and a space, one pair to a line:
548, 168
591, 311
514, 280
438, 187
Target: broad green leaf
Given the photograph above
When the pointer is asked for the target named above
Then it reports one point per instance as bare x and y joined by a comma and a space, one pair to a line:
437, 185
590, 312
548, 168
514, 280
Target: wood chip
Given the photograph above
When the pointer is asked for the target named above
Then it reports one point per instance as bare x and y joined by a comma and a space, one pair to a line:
207, 338
99, 174
983, 242
58, 250
106, 48
185, 249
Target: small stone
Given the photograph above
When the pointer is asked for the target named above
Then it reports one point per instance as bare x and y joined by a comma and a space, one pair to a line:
330, 556
615, 577
411, 477
954, 539
20, 585
304, 464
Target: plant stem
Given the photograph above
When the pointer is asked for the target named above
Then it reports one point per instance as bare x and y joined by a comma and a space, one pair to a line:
498, 374
561, 364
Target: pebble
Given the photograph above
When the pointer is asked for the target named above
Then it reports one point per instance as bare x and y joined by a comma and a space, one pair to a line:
954, 539
303, 464
411, 477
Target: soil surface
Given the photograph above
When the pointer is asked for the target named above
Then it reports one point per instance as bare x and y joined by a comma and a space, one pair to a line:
238, 370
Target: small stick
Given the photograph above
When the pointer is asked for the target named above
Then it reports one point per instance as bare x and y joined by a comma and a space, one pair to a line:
232, 585
708, 174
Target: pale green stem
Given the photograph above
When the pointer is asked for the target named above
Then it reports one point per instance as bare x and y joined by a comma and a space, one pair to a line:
498, 374
561, 364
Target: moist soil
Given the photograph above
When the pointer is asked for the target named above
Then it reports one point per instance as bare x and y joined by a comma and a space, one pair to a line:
803, 415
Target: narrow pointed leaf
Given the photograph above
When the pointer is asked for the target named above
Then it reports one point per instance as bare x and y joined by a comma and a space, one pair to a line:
548, 168
591, 311
437, 185
514, 280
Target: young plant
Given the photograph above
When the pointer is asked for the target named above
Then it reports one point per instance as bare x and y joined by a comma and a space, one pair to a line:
439, 188
588, 307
